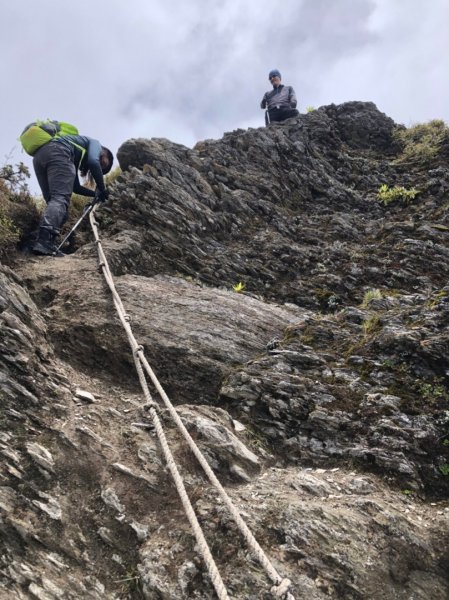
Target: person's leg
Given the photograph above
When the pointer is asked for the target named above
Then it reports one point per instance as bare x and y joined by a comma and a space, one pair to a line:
287, 113
292, 112
61, 173
275, 115
40, 169
56, 176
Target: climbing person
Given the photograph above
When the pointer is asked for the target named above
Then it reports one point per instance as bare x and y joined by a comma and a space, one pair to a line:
280, 102
56, 165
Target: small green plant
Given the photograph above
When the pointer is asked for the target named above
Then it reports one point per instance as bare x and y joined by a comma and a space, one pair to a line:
333, 302
18, 211
436, 299
131, 583
387, 195
15, 177
374, 294
408, 492
238, 287
371, 325
388, 363
445, 442
433, 391
328, 300
444, 469
421, 142
310, 109
9, 233
256, 439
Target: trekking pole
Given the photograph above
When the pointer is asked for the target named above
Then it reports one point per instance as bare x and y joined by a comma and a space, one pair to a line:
87, 209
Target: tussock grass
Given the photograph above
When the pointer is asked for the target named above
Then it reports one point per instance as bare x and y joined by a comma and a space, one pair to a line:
421, 142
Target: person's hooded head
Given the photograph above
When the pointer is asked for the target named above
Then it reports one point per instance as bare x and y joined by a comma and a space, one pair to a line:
275, 77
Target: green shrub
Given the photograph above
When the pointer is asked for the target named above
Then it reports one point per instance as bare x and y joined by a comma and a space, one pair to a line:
19, 213
436, 298
387, 195
9, 233
420, 143
433, 391
444, 469
310, 109
370, 295
14, 178
371, 325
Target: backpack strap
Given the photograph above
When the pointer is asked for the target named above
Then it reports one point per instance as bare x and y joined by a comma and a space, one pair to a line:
80, 148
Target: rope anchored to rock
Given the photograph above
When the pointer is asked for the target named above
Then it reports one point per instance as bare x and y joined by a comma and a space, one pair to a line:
281, 585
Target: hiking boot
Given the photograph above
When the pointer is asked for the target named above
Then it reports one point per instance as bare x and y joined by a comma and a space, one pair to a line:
41, 249
45, 245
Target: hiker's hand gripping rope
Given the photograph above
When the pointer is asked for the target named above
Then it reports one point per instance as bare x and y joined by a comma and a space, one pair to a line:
101, 195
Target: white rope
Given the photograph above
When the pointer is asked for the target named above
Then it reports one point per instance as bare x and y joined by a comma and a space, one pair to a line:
201, 540
281, 585
251, 541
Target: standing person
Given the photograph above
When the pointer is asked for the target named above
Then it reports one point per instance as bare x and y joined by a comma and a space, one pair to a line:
56, 165
280, 102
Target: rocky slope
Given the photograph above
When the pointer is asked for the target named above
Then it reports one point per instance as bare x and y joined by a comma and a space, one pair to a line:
319, 394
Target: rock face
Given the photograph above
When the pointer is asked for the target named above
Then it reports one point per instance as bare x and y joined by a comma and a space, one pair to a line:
318, 393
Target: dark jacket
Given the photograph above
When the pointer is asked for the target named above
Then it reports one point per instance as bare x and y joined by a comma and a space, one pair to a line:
86, 155
282, 96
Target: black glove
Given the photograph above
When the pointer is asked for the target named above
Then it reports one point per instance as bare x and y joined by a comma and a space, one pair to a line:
101, 195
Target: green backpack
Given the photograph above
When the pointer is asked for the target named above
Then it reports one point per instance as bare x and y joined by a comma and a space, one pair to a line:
36, 134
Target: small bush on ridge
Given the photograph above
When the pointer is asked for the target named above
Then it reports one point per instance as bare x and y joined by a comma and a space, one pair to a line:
421, 143
387, 195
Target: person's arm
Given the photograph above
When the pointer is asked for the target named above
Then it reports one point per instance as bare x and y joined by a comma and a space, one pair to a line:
263, 104
93, 163
80, 189
292, 97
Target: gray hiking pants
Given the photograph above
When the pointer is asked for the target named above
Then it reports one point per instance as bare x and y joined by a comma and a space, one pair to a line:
55, 172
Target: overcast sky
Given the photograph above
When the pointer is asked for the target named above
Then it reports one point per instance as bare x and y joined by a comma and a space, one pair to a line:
193, 69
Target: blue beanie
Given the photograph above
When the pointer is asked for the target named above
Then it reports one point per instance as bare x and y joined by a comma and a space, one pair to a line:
274, 73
